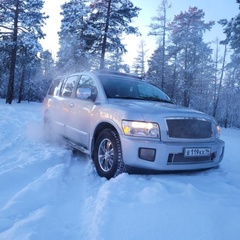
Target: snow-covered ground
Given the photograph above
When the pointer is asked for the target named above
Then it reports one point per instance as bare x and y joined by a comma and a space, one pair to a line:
48, 193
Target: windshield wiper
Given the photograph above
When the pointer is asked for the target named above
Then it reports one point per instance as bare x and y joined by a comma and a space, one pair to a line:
128, 97
158, 99
146, 98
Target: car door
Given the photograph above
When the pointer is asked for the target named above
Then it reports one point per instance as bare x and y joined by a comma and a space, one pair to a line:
79, 116
53, 113
65, 100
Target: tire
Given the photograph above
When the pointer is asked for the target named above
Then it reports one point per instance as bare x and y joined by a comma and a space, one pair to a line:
108, 154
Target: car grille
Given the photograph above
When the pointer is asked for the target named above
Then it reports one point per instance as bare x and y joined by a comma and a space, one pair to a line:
189, 128
180, 159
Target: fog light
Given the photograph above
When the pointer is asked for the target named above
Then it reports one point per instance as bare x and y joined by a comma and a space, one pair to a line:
147, 154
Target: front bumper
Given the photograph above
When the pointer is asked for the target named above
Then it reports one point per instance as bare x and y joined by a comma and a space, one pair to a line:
169, 156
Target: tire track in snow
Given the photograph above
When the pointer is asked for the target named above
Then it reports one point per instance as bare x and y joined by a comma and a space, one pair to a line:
28, 166
16, 228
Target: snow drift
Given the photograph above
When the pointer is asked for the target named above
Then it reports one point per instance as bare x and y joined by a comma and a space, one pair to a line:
47, 192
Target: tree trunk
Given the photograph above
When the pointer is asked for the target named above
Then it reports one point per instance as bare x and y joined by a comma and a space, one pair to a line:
104, 44
186, 93
220, 83
215, 79
164, 44
20, 93
10, 92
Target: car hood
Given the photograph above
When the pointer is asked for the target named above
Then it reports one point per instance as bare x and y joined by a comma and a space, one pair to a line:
148, 109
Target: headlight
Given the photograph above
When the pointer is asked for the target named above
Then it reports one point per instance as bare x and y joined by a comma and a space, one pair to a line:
141, 129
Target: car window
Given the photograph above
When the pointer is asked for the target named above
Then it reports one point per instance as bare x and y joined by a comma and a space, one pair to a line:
55, 87
150, 91
68, 86
118, 87
87, 82
125, 87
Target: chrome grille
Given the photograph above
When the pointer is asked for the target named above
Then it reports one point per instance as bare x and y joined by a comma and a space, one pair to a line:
189, 128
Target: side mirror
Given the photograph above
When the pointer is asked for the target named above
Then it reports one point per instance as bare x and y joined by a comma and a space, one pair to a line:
83, 93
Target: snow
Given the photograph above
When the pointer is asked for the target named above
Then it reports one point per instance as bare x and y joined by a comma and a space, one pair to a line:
46, 192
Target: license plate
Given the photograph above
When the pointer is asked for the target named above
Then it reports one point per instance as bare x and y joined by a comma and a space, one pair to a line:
197, 152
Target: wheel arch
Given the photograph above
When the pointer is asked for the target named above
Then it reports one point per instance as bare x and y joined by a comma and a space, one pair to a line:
100, 127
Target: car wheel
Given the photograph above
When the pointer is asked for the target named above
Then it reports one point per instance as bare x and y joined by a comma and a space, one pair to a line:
108, 154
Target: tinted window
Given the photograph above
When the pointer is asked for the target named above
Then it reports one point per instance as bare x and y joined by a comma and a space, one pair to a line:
126, 87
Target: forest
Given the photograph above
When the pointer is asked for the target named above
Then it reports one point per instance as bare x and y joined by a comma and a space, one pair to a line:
190, 70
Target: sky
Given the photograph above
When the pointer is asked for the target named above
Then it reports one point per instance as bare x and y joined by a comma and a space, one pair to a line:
214, 11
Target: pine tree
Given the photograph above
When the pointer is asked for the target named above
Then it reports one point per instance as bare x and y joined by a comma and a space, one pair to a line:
171, 73
218, 78
4, 66
232, 80
159, 28
89, 31
187, 31
115, 62
232, 32
75, 40
20, 19
140, 60
109, 20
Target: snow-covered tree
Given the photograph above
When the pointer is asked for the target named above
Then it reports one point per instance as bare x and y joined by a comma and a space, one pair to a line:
218, 76
159, 28
231, 82
171, 71
140, 60
187, 31
115, 62
20, 30
109, 20
90, 30
75, 42
232, 32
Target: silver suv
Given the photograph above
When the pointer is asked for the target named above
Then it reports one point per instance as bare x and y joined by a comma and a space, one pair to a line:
124, 123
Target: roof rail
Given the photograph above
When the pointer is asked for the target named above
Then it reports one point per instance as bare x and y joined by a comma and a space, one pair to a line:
105, 71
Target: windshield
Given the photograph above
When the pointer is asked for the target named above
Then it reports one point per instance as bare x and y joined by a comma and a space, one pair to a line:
130, 88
